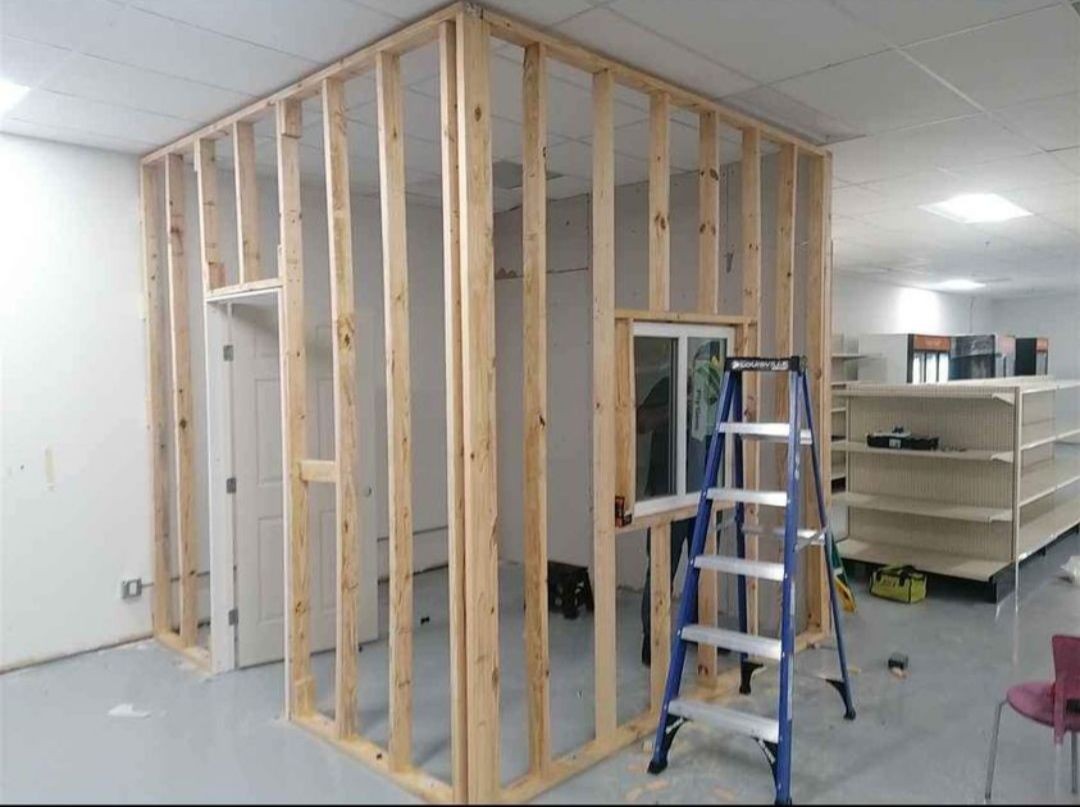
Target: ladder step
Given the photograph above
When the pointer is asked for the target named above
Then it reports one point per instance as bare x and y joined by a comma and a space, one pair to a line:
749, 568
756, 726
768, 498
749, 643
806, 537
773, 432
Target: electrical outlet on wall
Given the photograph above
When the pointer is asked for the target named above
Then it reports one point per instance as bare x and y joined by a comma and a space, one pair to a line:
130, 589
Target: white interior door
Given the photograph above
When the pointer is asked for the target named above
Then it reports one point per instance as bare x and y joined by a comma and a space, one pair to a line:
260, 537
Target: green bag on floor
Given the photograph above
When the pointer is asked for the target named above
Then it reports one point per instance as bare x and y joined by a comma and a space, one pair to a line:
900, 583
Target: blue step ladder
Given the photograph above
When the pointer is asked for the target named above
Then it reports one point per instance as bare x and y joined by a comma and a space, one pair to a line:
774, 735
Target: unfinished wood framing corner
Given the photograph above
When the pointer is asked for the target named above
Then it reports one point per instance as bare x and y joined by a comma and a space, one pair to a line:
463, 35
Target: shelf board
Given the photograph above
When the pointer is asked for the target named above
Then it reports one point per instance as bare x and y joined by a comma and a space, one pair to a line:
839, 410
850, 356
1038, 532
1045, 478
1045, 432
924, 507
838, 475
943, 563
855, 447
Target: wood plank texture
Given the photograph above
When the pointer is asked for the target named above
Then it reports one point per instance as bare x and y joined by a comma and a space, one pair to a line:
534, 396
247, 201
346, 450
300, 688
398, 400
183, 423
603, 392
478, 391
155, 296
213, 270
455, 450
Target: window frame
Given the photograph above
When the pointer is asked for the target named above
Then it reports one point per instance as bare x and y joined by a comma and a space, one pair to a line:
681, 332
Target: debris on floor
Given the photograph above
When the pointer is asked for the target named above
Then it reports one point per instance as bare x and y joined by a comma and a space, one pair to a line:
127, 710
898, 664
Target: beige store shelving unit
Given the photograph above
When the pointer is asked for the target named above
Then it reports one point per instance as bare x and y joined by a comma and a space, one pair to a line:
845, 357
1004, 483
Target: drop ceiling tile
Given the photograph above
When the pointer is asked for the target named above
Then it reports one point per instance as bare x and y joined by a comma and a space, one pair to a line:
146, 40
69, 112
913, 20
1053, 123
101, 80
921, 188
1002, 176
876, 93
852, 200
949, 144
1070, 158
1050, 200
769, 104
319, 30
766, 41
1030, 56
79, 137
1035, 232
29, 63
542, 15
617, 37
64, 23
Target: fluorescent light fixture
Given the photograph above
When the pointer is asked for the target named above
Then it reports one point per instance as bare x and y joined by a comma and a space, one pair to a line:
960, 284
974, 208
10, 94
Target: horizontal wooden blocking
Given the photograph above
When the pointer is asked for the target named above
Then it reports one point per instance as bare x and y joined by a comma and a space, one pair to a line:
398, 399
318, 471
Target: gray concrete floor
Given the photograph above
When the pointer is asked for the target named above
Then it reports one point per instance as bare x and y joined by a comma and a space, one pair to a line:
922, 739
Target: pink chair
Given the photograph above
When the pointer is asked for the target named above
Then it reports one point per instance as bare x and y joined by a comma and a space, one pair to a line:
1052, 703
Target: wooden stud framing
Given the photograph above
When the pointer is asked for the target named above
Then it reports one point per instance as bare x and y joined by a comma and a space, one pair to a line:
784, 278
478, 398
603, 392
343, 328
213, 270
157, 409
183, 435
247, 201
818, 339
659, 300
534, 358
398, 404
300, 687
707, 303
455, 450
463, 33
750, 169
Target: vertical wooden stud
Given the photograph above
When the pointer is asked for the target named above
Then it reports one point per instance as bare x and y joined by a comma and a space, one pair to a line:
183, 435
398, 400
455, 452
707, 302
659, 300
784, 279
625, 415
818, 339
750, 171
534, 359
157, 392
213, 270
300, 687
478, 391
603, 391
247, 201
343, 323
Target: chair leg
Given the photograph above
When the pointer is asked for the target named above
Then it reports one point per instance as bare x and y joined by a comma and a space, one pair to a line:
1075, 766
993, 750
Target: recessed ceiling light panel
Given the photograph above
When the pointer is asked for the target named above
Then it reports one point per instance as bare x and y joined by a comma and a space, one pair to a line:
976, 208
960, 284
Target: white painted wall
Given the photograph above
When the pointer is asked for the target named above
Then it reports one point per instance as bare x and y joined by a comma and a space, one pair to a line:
1056, 317
71, 387
868, 306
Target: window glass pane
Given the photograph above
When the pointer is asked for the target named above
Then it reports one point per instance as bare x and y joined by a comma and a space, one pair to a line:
943, 367
704, 378
655, 358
